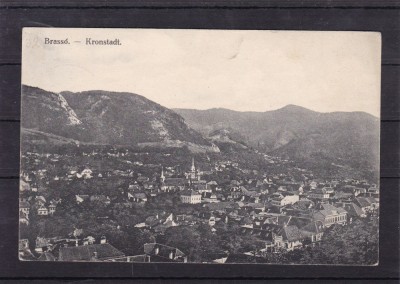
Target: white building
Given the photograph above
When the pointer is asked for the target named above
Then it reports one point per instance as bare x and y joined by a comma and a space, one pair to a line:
190, 197
43, 211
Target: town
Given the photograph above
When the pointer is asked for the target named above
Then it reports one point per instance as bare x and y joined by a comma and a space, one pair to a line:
128, 205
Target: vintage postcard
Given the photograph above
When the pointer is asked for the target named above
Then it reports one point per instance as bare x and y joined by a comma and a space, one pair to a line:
200, 146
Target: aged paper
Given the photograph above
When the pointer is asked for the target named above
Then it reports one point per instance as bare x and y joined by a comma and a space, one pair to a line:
205, 146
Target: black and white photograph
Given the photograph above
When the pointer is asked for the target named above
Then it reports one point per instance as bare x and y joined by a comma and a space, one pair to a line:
200, 146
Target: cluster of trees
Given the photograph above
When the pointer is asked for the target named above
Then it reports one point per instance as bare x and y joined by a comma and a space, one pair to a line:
355, 244
202, 245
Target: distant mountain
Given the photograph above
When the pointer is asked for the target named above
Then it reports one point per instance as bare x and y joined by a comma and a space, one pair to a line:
340, 139
102, 117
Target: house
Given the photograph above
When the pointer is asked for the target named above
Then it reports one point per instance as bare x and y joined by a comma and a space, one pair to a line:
151, 221
150, 186
277, 236
290, 199
168, 222
313, 231
304, 205
89, 240
319, 193
80, 198
139, 197
355, 191
24, 207
134, 187
259, 207
329, 215
282, 188
207, 217
367, 204
40, 200
100, 198
209, 197
103, 240
288, 238
52, 208
162, 253
286, 200
41, 244
221, 206
142, 179
23, 218
173, 184
94, 252
373, 191
340, 195
201, 187
190, 197
313, 184
43, 211
354, 210
77, 232
87, 173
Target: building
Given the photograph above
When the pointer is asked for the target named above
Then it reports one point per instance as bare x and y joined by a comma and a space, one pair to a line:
96, 252
40, 200
162, 253
23, 218
42, 244
172, 184
354, 210
80, 198
87, 173
288, 238
313, 231
319, 193
52, 208
100, 198
330, 215
139, 197
190, 197
24, 207
89, 240
43, 211
367, 204
194, 174
285, 200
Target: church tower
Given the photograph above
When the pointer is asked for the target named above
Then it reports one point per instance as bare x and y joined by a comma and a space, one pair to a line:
194, 174
162, 177
193, 168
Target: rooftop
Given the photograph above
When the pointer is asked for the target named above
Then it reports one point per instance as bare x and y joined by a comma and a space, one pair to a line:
86, 253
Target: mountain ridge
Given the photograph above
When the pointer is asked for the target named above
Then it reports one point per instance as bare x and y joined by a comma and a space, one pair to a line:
351, 138
103, 117
286, 107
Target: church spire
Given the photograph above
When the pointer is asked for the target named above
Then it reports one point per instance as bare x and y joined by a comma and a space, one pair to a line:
193, 168
162, 177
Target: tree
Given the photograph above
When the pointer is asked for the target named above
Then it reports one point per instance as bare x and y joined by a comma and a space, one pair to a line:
136, 240
187, 239
353, 244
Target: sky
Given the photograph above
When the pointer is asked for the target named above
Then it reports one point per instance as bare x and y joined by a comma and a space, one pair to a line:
202, 69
